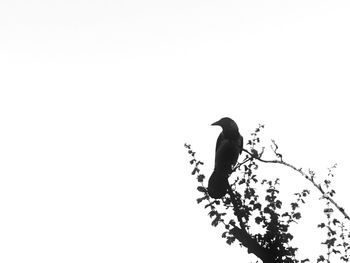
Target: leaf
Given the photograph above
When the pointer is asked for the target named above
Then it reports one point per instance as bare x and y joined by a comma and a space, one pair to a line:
306, 192
284, 228
254, 153
216, 202
289, 237
297, 215
329, 242
201, 199
278, 204
232, 223
212, 213
285, 214
216, 221
336, 251
268, 198
242, 181
257, 206
200, 178
331, 231
332, 241
201, 189
321, 259
230, 240
322, 225
247, 194
258, 220
328, 210
335, 221
195, 170
267, 210
294, 205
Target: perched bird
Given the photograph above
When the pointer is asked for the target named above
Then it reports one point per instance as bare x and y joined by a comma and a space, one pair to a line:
229, 146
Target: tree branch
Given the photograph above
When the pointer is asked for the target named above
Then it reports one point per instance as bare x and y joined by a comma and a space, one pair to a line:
252, 245
309, 178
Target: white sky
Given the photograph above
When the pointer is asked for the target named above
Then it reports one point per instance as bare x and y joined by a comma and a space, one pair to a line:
98, 97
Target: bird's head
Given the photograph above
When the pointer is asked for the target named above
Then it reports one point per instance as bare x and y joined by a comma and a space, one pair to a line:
226, 124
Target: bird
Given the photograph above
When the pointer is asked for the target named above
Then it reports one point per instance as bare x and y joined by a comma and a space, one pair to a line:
229, 146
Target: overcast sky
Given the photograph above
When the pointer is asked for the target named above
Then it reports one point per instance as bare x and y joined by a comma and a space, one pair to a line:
97, 99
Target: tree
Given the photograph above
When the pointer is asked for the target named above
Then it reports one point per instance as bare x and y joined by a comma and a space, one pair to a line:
253, 215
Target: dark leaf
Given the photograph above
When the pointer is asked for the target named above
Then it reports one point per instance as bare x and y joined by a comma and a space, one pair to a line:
242, 181
200, 178
267, 210
201, 189
258, 220
294, 205
232, 223
329, 242
285, 214
284, 228
306, 192
297, 215
201, 199
188, 146
230, 240
328, 210
278, 204
212, 213
321, 259
332, 232
257, 206
216, 221
195, 170
322, 225
335, 221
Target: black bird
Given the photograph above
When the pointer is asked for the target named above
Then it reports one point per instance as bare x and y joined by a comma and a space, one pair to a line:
229, 146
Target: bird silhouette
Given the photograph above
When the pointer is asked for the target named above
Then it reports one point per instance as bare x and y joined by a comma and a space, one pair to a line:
229, 146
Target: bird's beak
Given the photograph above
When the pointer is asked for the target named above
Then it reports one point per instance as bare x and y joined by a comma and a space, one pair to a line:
216, 123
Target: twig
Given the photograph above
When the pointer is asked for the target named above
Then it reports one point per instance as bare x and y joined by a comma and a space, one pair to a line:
310, 178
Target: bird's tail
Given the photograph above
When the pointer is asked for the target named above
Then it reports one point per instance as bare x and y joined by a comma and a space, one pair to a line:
218, 184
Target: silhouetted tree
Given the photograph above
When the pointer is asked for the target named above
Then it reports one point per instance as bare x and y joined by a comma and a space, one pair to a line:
258, 221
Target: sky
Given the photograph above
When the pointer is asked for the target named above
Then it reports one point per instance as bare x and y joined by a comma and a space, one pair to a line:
97, 99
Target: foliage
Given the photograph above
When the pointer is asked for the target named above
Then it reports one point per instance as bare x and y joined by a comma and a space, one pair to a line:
253, 214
